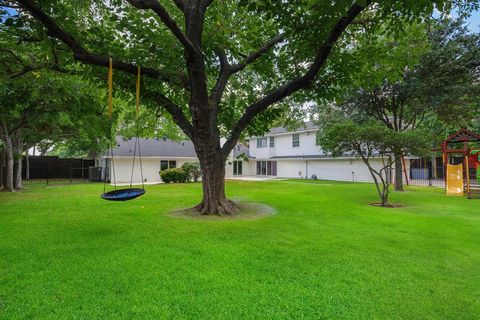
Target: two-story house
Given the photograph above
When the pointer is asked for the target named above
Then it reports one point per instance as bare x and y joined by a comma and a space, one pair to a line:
296, 154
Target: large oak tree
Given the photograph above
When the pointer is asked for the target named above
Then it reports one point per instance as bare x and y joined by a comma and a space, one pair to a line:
220, 67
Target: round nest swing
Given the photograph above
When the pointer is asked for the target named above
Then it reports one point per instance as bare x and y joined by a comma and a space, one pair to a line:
128, 193
123, 194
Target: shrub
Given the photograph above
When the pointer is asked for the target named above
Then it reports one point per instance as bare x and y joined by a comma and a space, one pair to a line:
174, 175
193, 170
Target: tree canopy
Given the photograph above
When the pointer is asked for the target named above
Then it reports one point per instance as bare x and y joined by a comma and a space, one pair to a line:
424, 78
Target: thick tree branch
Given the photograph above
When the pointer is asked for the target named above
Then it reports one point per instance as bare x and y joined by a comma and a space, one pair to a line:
29, 68
297, 83
12, 54
167, 20
176, 114
80, 53
24, 70
180, 4
257, 54
226, 69
222, 79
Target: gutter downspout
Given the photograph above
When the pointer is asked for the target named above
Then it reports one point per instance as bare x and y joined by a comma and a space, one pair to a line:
306, 168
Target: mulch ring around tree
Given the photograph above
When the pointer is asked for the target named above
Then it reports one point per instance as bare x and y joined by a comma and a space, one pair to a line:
390, 205
248, 211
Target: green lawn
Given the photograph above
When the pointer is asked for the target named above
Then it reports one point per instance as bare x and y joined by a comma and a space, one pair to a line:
67, 254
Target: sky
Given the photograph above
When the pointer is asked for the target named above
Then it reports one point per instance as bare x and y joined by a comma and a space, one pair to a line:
473, 22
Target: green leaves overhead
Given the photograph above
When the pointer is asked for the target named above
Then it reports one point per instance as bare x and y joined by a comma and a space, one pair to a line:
117, 29
59, 108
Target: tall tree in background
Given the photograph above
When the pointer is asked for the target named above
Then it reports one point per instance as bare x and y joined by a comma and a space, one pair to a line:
426, 76
216, 66
39, 99
42, 104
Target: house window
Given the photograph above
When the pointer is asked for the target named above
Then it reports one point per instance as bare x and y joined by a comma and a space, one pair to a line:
272, 142
167, 164
295, 140
267, 168
237, 168
262, 142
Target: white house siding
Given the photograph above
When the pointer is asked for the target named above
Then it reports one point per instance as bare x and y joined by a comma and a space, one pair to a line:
290, 169
351, 170
283, 146
151, 169
342, 169
247, 168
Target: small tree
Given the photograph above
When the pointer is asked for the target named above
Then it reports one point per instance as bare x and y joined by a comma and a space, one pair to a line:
370, 141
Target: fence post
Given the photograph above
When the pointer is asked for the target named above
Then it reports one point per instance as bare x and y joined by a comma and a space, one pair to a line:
430, 171
45, 168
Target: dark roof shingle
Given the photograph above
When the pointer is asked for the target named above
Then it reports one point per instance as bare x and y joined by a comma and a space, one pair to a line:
153, 147
307, 126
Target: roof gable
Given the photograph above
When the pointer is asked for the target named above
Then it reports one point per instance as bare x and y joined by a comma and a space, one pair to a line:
463, 135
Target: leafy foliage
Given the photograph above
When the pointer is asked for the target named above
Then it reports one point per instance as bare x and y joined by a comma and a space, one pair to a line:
416, 84
193, 171
174, 175
371, 141
57, 108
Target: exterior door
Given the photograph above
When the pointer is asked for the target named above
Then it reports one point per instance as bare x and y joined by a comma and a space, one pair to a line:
237, 168
266, 168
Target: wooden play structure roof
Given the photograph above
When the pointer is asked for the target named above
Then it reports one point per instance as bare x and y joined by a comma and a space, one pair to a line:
463, 135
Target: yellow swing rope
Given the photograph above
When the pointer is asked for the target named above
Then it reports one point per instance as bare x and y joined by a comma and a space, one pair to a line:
137, 93
110, 87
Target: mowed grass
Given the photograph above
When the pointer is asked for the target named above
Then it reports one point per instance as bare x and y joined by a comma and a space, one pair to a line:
67, 254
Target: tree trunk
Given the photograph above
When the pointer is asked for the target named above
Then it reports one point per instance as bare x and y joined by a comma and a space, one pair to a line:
213, 183
27, 166
2, 165
17, 142
7, 140
384, 195
398, 171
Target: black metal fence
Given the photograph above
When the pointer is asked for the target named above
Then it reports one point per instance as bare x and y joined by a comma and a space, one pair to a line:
430, 172
54, 170
427, 172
